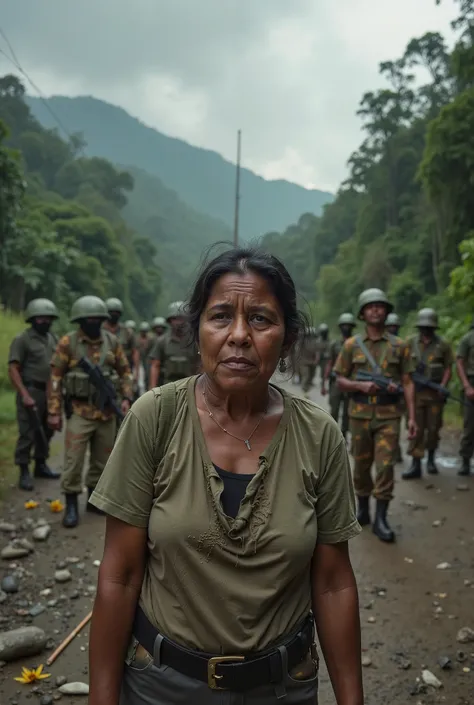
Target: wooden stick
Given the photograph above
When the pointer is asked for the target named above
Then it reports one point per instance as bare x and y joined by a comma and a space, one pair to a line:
68, 639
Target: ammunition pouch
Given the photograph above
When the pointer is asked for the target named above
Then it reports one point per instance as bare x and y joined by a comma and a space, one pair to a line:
177, 367
77, 384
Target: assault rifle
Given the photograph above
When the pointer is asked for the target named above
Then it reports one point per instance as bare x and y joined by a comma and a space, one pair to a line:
380, 380
107, 396
38, 428
422, 381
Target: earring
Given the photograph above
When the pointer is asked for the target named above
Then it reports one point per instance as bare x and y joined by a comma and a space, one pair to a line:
282, 366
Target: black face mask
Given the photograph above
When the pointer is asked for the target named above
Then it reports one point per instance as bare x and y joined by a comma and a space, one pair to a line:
114, 317
346, 330
427, 332
41, 328
91, 329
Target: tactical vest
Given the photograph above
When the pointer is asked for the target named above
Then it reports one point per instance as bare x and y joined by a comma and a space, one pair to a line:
177, 359
433, 368
77, 384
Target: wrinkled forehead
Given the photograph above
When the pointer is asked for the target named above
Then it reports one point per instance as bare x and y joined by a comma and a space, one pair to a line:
249, 289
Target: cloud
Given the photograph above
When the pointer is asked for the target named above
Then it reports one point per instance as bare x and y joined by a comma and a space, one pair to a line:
290, 74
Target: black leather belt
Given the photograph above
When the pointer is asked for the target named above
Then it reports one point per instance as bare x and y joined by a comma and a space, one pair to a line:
36, 385
227, 672
378, 399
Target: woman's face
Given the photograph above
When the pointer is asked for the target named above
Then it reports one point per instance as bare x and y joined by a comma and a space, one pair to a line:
241, 332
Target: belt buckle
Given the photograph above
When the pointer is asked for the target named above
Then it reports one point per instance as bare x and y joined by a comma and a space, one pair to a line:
212, 664
373, 400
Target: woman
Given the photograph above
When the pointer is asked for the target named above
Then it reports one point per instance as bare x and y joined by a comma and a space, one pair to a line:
229, 506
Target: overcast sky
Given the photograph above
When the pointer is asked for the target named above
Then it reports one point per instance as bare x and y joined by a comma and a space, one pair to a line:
290, 73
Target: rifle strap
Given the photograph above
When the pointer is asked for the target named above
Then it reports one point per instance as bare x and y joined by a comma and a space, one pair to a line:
166, 419
376, 366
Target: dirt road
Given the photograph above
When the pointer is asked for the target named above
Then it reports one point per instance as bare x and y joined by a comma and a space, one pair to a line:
411, 610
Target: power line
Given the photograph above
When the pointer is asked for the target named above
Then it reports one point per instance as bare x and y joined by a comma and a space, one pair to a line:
14, 60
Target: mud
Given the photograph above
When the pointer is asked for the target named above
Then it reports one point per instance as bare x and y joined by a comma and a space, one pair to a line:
410, 610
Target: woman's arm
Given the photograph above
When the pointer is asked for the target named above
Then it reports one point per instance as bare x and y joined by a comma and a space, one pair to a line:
119, 585
336, 611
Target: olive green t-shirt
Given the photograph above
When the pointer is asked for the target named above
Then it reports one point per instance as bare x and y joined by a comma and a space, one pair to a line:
214, 583
33, 352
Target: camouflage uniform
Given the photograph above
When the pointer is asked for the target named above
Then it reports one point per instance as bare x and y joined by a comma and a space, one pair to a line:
336, 397
126, 338
87, 423
374, 421
465, 352
435, 357
177, 358
308, 360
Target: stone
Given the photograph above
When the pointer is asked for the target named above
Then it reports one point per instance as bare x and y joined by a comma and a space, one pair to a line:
62, 576
366, 661
74, 689
7, 527
10, 584
37, 610
18, 643
61, 565
443, 566
465, 635
46, 592
96, 564
46, 700
74, 595
24, 543
462, 488
41, 533
437, 523
60, 680
430, 679
3, 597
371, 620
11, 552
72, 559
444, 662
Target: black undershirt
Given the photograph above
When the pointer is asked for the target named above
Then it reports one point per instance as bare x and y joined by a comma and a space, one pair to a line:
234, 490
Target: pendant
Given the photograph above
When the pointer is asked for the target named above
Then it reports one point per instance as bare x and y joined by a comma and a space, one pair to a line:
247, 443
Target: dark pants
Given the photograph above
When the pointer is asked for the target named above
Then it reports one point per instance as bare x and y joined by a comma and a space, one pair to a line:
28, 436
467, 440
146, 681
336, 400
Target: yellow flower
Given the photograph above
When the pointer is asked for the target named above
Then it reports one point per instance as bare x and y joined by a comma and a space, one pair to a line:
31, 675
56, 505
31, 504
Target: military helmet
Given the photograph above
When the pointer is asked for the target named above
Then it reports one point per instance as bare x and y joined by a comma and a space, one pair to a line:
393, 319
144, 327
40, 307
323, 328
373, 296
175, 310
159, 321
88, 307
427, 318
130, 324
114, 305
346, 319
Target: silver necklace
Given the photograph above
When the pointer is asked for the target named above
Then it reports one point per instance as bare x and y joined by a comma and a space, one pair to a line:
237, 438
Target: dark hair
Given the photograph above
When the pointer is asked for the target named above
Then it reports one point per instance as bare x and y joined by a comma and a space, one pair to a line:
242, 261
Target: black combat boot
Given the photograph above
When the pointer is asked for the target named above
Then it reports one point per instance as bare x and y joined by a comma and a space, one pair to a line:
90, 507
431, 468
44, 472
71, 513
414, 472
466, 467
381, 527
363, 513
26, 481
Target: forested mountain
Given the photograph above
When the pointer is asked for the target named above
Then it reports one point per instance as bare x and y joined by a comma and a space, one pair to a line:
202, 178
404, 218
62, 233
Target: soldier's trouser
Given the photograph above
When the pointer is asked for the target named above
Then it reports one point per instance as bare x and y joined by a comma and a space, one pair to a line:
148, 682
429, 420
307, 372
28, 437
374, 440
79, 433
336, 399
467, 440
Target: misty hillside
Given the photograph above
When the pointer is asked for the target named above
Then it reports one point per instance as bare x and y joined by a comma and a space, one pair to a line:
202, 178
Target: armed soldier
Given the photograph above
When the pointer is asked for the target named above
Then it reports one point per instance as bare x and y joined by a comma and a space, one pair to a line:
124, 333
159, 326
465, 370
90, 422
308, 358
374, 408
130, 325
172, 357
346, 325
29, 369
393, 324
323, 349
433, 359
146, 340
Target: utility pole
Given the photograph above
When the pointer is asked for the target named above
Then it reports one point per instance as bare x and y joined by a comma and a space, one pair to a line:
237, 191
